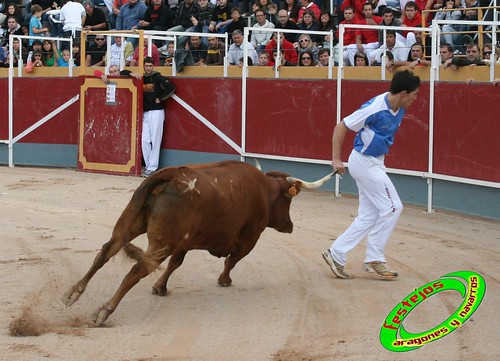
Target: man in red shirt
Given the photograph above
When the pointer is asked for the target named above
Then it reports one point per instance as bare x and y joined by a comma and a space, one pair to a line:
356, 5
413, 19
366, 40
349, 34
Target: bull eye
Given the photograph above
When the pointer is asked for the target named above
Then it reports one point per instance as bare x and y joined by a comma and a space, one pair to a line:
292, 190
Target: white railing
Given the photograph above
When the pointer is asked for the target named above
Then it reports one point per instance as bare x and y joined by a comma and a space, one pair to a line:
434, 30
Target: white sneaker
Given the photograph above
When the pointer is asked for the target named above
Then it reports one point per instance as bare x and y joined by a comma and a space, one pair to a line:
381, 269
337, 269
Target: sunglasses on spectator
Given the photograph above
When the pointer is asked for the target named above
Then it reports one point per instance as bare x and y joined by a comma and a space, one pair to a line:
99, 39
487, 53
304, 40
306, 58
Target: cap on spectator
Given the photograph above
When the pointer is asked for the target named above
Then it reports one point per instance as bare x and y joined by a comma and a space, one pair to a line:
37, 42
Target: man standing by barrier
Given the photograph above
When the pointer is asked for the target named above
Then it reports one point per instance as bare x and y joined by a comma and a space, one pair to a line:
156, 90
376, 123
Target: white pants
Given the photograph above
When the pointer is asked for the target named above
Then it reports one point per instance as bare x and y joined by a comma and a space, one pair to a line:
152, 134
378, 212
352, 49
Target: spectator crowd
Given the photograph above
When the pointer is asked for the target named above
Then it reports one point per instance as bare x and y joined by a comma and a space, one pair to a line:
361, 47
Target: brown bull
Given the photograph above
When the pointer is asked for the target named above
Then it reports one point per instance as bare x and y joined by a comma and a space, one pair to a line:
219, 207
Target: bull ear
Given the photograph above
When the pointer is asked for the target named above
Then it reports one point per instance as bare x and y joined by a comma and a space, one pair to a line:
292, 190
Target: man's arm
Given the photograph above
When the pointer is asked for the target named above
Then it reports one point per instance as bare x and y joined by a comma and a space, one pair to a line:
337, 141
359, 44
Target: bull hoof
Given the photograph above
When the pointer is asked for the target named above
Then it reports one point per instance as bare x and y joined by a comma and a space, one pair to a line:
224, 283
72, 295
102, 315
160, 291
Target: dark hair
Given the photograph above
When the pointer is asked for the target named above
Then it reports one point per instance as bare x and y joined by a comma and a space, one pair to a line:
235, 9
389, 55
324, 50
249, 60
369, 3
411, 48
310, 12
411, 4
404, 81
387, 10
390, 32
308, 52
447, 46
148, 60
361, 55
11, 17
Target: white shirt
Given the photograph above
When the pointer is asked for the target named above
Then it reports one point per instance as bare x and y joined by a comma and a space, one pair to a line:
118, 54
235, 53
260, 37
71, 16
400, 52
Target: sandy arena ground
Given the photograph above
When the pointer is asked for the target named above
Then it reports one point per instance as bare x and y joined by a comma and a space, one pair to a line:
285, 303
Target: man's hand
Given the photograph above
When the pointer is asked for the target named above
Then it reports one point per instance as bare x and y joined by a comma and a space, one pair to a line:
338, 166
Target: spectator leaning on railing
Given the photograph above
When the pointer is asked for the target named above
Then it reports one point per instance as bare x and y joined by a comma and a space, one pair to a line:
235, 52
488, 54
215, 52
472, 58
415, 57
397, 49
445, 52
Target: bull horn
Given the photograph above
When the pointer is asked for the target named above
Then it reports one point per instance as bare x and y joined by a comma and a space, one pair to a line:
311, 185
257, 165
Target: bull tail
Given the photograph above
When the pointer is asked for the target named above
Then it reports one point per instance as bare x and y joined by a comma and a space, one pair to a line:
149, 260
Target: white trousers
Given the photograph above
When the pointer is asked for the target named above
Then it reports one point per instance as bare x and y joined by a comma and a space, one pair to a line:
152, 134
378, 212
352, 49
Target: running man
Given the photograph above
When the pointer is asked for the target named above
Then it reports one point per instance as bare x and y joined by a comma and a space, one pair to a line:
375, 123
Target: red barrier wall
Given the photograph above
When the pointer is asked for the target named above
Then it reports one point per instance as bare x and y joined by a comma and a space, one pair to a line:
467, 125
292, 118
34, 98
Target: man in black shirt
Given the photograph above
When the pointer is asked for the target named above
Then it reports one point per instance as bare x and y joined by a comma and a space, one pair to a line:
221, 17
96, 52
96, 19
198, 50
285, 23
158, 17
